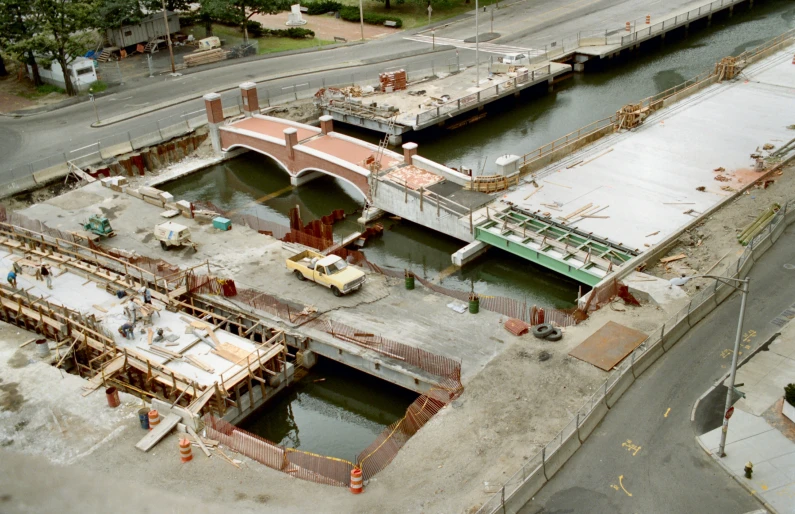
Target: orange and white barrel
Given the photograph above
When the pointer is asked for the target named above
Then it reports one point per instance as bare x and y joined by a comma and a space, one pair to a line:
356, 481
185, 452
648, 19
154, 419
629, 26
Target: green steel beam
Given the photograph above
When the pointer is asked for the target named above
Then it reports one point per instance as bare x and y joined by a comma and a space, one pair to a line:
579, 274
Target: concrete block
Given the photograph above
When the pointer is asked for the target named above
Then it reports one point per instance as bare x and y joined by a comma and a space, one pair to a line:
532, 484
700, 312
590, 423
134, 193
154, 201
672, 337
469, 253
166, 197
618, 390
52, 173
560, 457
647, 359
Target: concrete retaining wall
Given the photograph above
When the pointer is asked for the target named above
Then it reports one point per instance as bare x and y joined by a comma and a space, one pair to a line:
394, 200
525, 493
699, 312
643, 362
695, 88
562, 455
675, 334
589, 424
437, 169
618, 389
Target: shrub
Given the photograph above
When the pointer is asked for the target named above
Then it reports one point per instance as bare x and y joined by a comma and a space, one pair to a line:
323, 7
255, 29
789, 394
46, 89
351, 13
186, 19
99, 86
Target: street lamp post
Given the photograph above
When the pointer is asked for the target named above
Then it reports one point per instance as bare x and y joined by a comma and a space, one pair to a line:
477, 47
743, 288
93, 102
361, 18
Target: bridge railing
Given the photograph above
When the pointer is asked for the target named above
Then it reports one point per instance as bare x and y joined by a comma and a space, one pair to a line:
541, 467
464, 102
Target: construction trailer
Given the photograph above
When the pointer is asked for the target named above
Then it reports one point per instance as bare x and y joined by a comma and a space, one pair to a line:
150, 27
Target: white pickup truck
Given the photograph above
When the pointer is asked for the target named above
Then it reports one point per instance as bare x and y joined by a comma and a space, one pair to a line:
330, 271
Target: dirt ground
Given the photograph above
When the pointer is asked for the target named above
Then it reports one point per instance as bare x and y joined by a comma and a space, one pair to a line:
327, 27
714, 241
17, 92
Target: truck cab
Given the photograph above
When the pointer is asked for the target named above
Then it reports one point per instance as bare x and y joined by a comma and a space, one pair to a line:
330, 271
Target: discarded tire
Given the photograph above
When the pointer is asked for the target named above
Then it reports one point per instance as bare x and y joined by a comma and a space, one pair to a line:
555, 335
543, 330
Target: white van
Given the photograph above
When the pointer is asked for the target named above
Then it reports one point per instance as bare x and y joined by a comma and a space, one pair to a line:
515, 59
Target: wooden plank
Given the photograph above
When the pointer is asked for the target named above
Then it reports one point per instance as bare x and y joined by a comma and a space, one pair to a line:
111, 368
666, 260
199, 364
198, 440
66, 354
581, 209
28, 342
231, 352
149, 336
159, 432
202, 400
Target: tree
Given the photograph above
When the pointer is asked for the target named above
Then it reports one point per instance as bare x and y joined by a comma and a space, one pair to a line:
3, 70
114, 14
248, 8
65, 33
214, 10
18, 22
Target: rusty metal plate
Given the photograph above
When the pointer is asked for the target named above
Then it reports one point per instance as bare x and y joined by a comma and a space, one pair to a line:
609, 345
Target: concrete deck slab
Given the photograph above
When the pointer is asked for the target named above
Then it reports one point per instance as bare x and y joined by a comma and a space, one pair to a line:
647, 178
350, 151
271, 127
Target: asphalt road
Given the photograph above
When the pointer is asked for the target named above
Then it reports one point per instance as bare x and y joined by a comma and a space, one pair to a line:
528, 23
643, 457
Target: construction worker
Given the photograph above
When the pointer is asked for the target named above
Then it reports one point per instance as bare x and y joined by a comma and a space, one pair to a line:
127, 330
45, 272
12, 279
131, 310
146, 294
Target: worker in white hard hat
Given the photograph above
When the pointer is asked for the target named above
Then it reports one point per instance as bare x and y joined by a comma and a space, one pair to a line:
146, 294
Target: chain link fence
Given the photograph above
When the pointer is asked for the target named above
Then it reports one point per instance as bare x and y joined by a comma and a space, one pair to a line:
524, 483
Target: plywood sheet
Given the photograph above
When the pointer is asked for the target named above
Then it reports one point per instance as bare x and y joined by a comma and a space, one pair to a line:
609, 345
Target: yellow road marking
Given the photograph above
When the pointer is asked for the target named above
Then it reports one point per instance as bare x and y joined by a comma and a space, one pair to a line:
631, 448
620, 481
666, 412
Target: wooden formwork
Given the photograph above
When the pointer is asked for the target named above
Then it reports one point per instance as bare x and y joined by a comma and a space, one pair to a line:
94, 353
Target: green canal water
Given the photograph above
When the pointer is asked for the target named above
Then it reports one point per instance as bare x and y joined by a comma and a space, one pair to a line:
341, 415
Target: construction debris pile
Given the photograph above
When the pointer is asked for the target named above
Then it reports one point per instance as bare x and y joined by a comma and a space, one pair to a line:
393, 81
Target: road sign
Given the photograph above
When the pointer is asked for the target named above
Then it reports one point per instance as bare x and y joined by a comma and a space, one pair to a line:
729, 412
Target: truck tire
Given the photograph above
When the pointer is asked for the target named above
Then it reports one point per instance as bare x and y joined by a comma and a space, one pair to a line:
299, 275
555, 335
336, 291
163, 245
543, 330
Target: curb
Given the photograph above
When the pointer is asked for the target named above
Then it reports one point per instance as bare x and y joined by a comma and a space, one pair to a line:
737, 479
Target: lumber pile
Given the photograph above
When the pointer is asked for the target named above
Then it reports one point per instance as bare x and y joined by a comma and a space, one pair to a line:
758, 224
393, 81
205, 57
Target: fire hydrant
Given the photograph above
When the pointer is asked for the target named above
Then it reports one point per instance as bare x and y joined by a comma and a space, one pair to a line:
749, 469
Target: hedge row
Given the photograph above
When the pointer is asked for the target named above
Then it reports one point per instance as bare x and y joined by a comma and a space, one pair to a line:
323, 7
350, 13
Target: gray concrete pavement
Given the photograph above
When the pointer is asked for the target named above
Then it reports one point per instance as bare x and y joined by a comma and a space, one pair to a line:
59, 132
644, 457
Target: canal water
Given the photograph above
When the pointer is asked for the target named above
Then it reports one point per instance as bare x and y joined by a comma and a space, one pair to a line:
342, 414
334, 410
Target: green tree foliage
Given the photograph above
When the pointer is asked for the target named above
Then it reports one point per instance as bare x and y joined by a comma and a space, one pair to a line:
64, 32
19, 21
245, 9
215, 10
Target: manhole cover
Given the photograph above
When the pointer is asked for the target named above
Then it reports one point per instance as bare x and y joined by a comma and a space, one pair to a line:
789, 266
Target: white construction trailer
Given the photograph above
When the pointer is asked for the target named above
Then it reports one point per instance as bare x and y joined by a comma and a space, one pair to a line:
150, 27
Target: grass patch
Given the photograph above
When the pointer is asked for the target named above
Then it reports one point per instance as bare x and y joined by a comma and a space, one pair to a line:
269, 45
99, 86
43, 90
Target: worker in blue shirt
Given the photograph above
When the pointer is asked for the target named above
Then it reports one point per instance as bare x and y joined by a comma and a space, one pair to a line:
12, 279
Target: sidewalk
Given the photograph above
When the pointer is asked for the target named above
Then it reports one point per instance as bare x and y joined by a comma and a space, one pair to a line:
758, 432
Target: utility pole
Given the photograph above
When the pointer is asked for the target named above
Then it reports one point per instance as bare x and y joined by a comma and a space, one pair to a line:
730, 392
361, 18
477, 47
168, 37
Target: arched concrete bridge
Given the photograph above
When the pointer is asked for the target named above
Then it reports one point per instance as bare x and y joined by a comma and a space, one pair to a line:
303, 151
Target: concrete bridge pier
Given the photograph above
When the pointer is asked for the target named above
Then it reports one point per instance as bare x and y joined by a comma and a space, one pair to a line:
395, 139
215, 118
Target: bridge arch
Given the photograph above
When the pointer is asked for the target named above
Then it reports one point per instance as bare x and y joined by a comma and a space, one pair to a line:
306, 171
266, 154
